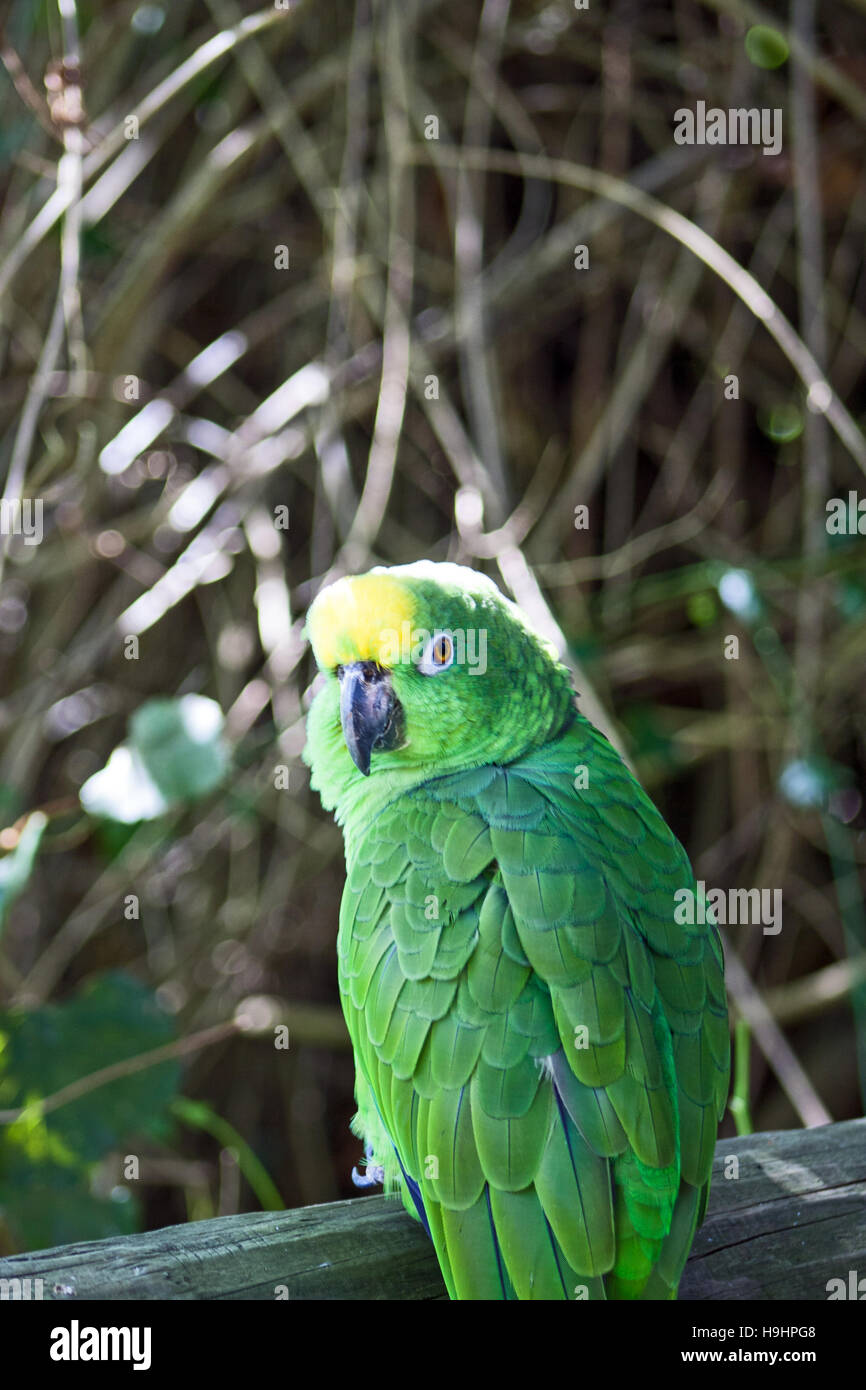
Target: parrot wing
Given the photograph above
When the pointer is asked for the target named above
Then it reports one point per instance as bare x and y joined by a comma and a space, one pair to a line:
540, 1043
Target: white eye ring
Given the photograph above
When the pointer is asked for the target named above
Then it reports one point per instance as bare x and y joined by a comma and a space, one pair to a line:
438, 654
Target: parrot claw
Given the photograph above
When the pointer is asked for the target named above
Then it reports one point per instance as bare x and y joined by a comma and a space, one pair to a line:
375, 1174
373, 1177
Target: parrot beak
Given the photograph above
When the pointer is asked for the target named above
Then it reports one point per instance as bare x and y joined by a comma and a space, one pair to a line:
370, 713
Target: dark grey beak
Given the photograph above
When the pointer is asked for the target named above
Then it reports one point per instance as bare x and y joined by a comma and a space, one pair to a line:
370, 713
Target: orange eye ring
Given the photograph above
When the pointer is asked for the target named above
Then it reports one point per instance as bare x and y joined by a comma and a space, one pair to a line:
442, 650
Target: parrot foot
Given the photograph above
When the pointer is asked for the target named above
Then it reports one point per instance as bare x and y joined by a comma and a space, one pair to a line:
375, 1174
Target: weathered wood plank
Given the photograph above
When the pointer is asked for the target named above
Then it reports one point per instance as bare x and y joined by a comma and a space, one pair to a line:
793, 1218
368, 1248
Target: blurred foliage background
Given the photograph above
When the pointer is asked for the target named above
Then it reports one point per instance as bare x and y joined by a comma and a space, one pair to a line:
264, 321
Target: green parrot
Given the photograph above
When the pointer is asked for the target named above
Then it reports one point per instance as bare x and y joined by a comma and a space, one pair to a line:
540, 1028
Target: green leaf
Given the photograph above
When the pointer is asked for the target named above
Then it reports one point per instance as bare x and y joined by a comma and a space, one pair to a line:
648, 735
123, 790
180, 743
43, 1050
175, 753
201, 1116
113, 1017
52, 1205
16, 868
782, 422
766, 47
702, 609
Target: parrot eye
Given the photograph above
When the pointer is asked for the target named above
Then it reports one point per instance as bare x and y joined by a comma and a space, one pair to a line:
438, 654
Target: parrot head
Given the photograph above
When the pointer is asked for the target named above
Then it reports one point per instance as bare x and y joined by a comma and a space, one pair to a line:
428, 669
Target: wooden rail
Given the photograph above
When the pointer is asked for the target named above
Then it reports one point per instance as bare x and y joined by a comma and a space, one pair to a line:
787, 1216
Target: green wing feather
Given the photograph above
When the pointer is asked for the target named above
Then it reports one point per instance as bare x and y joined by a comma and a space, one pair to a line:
542, 1050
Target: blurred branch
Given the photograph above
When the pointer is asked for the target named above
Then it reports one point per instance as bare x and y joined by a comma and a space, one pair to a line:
199, 1115
67, 113
308, 1023
24, 87
769, 1037
818, 993
394, 383
816, 463
820, 394
116, 140
739, 1102
475, 355
117, 1070
822, 71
